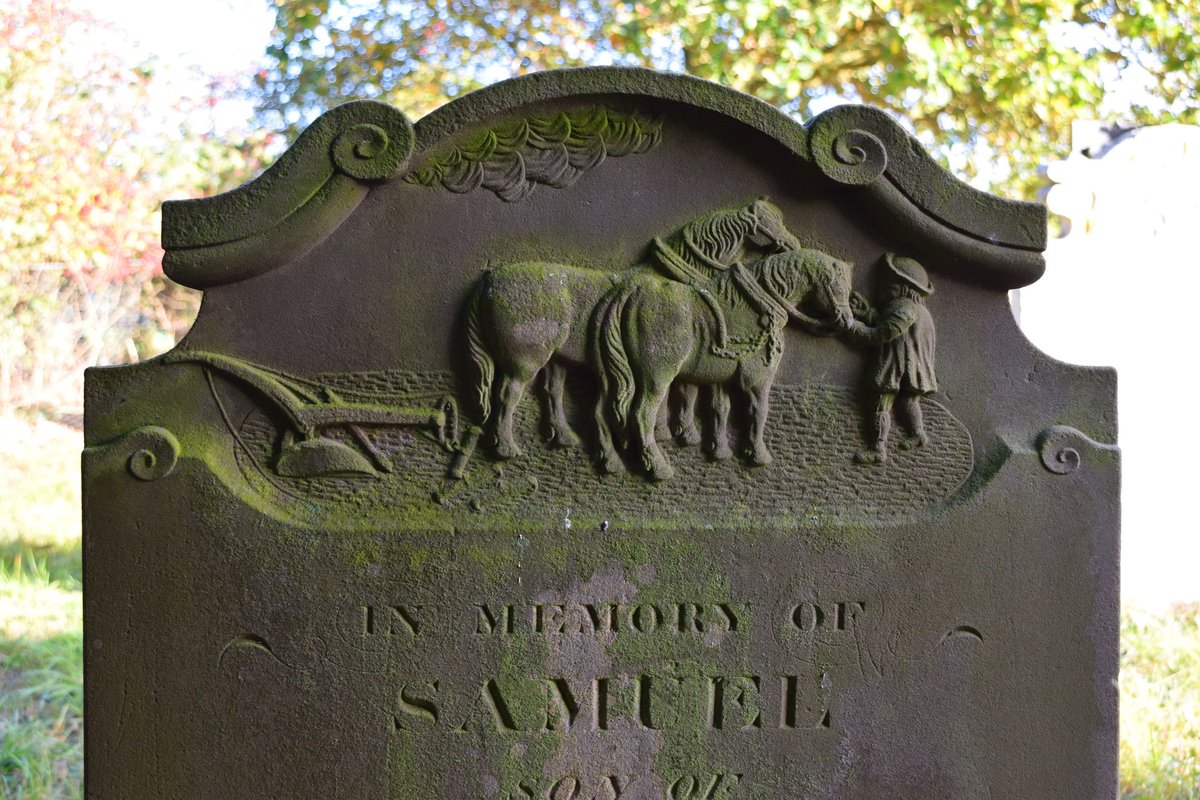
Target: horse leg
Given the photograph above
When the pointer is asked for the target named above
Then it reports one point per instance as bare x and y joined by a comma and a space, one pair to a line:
607, 458
720, 408
651, 395
760, 398
561, 434
610, 462
529, 319
685, 425
662, 421
512, 387
660, 335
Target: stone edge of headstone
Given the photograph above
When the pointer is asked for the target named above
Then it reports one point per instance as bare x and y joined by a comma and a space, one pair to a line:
319, 181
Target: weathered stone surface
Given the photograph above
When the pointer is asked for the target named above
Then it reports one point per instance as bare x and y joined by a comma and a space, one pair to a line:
400, 519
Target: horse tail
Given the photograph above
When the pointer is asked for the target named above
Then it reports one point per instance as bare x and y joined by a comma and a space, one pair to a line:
616, 374
597, 350
481, 359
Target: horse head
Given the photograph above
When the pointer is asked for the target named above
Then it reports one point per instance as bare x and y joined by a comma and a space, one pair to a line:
768, 228
812, 280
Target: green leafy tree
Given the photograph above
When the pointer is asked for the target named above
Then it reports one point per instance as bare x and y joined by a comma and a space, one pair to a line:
990, 85
88, 156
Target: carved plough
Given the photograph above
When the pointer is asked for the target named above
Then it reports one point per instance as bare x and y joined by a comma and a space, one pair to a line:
313, 409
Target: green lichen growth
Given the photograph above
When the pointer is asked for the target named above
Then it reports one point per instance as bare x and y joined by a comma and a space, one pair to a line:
362, 557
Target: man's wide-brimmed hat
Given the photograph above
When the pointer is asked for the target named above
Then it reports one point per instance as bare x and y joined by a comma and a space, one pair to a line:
911, 271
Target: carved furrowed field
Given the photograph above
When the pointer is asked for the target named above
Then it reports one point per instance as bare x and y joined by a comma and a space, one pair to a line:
813, 433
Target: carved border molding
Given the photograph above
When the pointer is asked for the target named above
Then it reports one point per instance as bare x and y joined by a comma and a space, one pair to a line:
985, 238
320, 180
293, 206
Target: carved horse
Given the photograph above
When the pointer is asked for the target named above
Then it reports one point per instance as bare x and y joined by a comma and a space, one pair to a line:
527, 317
727, 331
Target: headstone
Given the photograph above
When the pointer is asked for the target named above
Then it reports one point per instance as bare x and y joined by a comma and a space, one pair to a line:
604, 435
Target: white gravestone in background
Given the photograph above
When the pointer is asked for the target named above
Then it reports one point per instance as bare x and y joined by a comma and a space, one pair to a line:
1121, 288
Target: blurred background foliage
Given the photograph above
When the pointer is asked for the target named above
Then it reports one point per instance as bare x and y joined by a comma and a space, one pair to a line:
90, 150
990, 86
92, 139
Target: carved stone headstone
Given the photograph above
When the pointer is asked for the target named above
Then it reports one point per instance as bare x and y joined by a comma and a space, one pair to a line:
606, 434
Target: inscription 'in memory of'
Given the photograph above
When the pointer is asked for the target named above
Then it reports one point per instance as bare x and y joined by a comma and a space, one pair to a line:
399, 619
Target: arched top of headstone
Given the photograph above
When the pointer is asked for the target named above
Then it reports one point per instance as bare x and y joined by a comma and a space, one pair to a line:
511, 136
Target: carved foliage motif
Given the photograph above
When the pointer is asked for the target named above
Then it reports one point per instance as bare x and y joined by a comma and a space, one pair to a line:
552, 150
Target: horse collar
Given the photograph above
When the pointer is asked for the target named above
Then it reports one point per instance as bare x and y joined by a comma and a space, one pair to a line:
675, 265
760, 296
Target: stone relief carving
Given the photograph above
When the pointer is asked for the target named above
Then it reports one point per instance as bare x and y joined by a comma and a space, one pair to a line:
904, 332
814, 434
336, 430
551, 150
149, 453
1062, 448
311, 409
524, 318
652, 351
704, 316
655, 331
293, 206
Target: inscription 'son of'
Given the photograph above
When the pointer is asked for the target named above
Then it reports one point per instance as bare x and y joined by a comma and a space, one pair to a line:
708, 786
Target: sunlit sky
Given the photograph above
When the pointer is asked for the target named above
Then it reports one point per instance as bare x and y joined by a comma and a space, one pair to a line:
1120, 298
189, 39
219, 35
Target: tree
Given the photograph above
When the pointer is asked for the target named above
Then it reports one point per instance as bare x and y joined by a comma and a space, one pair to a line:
991, 85
88, 157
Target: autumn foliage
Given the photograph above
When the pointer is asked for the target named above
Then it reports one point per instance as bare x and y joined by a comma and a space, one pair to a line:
89, 152
991, 86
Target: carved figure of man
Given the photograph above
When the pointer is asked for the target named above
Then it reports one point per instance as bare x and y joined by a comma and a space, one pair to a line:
904, 372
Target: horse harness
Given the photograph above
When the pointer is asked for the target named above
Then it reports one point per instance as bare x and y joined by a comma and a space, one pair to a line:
773, 310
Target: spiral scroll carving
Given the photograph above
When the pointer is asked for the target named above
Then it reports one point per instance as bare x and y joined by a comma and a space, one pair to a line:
367, 153
148, 453
855, 157
1060, 449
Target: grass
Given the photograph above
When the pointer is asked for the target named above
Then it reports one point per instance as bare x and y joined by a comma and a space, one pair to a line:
41, 663
1160, 705
41, 612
